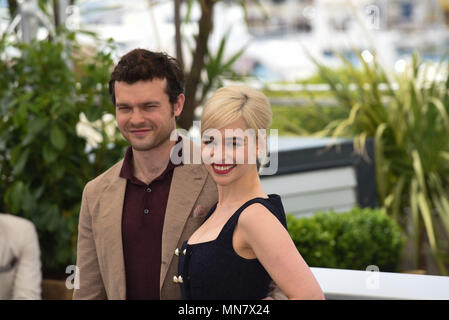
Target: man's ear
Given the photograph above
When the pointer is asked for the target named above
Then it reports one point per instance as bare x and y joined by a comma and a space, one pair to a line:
179, 105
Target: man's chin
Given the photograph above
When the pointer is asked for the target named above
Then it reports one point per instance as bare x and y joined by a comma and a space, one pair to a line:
146, 146
143, 147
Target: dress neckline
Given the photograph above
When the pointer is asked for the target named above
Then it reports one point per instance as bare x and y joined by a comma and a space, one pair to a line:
212, 210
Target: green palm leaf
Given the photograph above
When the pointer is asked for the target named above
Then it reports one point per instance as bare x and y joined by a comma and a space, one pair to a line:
409, 122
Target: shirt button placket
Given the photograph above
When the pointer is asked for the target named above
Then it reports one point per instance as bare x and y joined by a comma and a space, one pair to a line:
147, 211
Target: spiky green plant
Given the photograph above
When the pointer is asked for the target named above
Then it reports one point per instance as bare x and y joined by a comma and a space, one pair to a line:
407, 115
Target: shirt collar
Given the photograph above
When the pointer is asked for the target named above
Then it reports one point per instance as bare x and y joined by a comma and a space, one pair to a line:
127, 170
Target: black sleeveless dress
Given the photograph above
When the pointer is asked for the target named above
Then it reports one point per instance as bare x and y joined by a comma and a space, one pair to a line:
212, 270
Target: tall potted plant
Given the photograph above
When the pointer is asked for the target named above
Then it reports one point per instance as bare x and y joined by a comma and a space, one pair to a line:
407, 115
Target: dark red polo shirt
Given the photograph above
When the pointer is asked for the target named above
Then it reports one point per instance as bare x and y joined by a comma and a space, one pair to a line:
142, 221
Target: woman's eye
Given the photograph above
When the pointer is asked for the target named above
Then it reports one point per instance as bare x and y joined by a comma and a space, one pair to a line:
234, 144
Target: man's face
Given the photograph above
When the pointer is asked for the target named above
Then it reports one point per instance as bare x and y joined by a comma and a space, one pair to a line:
144, 114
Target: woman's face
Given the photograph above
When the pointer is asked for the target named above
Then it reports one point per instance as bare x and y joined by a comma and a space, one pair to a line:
229, 153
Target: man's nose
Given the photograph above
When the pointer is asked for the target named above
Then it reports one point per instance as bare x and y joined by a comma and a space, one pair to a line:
136, 117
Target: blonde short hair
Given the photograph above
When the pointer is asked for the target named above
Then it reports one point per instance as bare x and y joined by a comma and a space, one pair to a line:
229, 104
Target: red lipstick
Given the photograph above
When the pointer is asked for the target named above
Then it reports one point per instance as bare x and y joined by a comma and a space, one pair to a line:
222, 168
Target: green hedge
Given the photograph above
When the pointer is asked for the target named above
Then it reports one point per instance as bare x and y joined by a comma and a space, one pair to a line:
350, 240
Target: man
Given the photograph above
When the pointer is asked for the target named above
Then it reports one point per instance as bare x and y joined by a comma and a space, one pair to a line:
136, 215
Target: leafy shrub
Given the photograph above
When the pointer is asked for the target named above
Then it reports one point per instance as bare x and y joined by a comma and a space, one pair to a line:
44, 163
304, 120
350, 240
407, 116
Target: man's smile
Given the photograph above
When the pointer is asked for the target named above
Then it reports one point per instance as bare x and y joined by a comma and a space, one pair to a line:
139, 132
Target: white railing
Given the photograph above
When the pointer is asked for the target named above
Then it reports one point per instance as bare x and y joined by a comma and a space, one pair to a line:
340, 284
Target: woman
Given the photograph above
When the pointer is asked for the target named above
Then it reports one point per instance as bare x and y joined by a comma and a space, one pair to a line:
243, 244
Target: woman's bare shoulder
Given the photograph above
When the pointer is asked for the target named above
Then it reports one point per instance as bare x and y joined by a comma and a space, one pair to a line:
257, 215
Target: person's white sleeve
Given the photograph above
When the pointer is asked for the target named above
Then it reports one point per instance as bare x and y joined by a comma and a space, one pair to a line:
27, 283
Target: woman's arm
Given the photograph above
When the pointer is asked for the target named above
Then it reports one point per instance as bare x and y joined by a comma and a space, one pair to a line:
271, 243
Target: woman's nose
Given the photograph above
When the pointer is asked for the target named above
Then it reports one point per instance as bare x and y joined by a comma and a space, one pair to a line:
217, 153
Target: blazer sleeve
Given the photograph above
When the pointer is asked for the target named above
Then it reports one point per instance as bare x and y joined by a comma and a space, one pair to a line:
27, 283
88, 270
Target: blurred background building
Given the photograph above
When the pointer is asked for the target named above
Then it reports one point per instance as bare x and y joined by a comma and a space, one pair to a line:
276, 33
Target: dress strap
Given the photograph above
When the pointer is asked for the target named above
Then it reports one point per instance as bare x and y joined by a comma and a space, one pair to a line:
228, 229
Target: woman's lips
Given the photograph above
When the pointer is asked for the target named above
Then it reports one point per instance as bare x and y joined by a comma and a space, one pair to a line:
222, 168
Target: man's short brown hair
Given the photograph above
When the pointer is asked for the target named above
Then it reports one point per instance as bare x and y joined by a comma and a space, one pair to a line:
144, 65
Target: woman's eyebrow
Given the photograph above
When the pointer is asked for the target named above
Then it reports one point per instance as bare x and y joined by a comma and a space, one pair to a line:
239, 139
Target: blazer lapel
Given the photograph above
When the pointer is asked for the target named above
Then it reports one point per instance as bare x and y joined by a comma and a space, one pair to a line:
111, 209
187, 183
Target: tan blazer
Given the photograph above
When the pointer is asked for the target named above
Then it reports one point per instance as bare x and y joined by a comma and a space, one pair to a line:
99, 250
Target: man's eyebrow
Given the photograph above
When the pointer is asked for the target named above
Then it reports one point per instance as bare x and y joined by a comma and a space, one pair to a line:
142, 104
122, 104
150, 102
